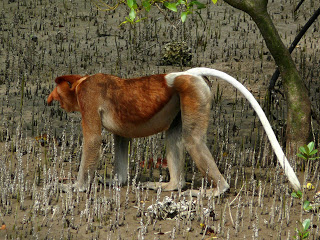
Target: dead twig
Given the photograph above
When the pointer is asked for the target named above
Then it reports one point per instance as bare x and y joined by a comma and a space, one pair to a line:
237, 195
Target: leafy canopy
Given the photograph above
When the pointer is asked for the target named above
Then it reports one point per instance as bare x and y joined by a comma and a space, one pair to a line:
145, 5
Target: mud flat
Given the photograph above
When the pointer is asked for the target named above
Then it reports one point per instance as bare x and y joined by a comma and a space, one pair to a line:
40, 145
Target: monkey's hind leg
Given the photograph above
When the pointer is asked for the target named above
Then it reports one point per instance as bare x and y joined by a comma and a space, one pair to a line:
195, 100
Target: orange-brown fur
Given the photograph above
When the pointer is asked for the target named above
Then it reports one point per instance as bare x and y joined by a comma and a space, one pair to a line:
65, 93
141, 107
134, 100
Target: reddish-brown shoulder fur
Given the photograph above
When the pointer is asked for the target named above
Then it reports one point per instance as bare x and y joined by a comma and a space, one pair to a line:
138, 99
134, 100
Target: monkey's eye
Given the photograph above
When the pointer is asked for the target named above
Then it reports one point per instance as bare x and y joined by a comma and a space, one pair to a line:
70, 84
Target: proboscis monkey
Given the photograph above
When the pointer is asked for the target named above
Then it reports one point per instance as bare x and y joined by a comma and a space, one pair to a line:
178, 103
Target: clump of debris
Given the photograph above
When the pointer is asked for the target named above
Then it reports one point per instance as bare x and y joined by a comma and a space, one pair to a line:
177, 54
168, 208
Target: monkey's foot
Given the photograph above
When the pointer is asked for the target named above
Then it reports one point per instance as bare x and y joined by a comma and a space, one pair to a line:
215, 192
82, 187
73, 187
65, 187
165, 186
111, 181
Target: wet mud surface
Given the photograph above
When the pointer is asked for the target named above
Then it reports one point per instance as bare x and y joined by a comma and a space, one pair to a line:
41, 145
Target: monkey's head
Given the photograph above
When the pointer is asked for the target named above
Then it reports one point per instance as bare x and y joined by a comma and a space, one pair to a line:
65, 92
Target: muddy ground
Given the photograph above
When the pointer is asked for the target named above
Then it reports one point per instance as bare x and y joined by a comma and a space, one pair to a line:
40, 145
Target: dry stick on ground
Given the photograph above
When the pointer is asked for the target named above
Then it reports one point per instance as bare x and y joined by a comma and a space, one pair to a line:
298, 6
237, 195
231, 218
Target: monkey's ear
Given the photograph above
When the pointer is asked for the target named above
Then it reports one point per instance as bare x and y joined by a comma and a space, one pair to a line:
70, 79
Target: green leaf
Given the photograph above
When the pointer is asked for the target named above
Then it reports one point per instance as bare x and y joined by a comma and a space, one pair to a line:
311, 146
171, 6
146, 4
124, 22
132, 14
184, 16
297, 194
313, 152
214, 1
302, 150
306, 224
140, 19
306, 235
301, 156
130, 3
199, 4
306, 204
308, 209
128, 19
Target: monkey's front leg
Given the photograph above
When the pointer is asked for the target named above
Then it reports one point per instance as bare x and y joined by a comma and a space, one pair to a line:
89, 161
90, 153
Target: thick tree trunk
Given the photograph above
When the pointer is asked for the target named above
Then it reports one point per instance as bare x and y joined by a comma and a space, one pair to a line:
296, 93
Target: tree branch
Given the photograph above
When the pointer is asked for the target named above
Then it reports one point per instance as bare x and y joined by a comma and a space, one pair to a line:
293, 45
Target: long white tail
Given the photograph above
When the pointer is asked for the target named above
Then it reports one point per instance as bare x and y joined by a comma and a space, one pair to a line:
272, 138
